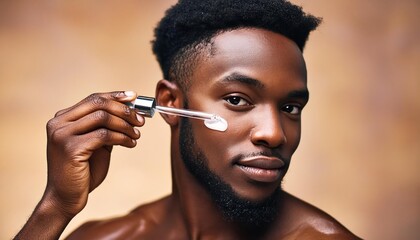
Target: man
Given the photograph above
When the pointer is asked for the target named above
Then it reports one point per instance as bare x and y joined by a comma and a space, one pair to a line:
241, 60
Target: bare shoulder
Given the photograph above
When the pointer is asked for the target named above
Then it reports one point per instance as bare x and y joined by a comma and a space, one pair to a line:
310, 222
141, 222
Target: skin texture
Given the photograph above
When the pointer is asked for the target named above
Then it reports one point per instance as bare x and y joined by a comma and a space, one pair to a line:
256, 80
80, 141
265, 118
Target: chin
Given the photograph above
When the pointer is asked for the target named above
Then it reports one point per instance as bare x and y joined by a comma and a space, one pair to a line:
257, 192
253, 209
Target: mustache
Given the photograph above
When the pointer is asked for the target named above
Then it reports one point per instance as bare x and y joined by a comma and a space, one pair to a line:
272, 154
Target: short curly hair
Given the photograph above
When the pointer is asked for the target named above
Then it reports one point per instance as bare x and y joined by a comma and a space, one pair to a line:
189, 26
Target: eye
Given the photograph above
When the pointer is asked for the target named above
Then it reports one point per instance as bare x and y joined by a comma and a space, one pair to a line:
236, 101
292, 109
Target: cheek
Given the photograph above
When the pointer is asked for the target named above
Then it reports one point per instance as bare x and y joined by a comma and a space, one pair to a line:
235, 139
292, 131
217, 146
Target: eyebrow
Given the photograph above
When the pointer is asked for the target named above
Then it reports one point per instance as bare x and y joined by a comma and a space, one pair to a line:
240, 78
300, 94
237, 77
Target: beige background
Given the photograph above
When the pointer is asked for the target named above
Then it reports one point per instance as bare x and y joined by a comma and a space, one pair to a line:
360, 149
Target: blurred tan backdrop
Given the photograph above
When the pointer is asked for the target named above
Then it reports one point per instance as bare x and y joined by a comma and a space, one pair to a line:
360, 148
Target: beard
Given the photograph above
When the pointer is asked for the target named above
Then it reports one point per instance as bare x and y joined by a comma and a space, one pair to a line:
254, 215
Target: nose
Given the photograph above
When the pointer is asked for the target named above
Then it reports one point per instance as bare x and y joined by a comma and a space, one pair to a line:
268, 130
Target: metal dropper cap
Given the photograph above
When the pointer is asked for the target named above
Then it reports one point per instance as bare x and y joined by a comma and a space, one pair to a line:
145, 105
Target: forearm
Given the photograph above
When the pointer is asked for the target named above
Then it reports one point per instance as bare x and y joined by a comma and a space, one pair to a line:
46, 222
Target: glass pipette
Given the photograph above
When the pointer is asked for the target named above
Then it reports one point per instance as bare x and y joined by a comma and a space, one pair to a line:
147, 107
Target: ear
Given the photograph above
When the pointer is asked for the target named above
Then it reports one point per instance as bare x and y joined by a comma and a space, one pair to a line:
168, 94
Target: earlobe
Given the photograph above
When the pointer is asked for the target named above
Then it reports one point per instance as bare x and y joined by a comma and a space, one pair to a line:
168, 94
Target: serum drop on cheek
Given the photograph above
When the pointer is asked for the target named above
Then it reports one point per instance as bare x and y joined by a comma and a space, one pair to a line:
147, 107
217, 123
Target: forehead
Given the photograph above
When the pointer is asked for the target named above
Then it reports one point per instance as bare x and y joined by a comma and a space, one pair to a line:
252, 43
257, 53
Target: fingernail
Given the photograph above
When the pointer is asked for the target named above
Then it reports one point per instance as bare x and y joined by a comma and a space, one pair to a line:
140, 118
126, 94
137, 131
130, 93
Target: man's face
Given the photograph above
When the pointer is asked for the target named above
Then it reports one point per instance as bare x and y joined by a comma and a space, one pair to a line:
256, 80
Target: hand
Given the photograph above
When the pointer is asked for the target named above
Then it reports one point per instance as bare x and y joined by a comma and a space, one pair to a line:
80, 141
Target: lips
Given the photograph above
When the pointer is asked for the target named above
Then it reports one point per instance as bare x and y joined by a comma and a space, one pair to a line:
261, 168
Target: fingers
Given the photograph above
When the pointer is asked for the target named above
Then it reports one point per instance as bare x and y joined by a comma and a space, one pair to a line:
104, 137
117, 95
112, 102
103, 119
100, 116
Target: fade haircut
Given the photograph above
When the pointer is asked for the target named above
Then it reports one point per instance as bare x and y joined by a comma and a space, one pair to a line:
188, 27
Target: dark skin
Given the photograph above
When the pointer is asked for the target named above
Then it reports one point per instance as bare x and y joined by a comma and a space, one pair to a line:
260, 93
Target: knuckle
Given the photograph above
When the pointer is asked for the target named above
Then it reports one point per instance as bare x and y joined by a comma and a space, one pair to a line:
127, 110
51, 125
56, 135
126, 125
96, 99
102, 133
116, 94
101, 115
92, 96
99, 101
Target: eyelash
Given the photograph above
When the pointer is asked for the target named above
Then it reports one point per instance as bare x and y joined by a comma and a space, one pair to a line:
234, 101
296, 110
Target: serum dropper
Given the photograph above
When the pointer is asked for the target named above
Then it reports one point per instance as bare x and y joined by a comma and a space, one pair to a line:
147, 107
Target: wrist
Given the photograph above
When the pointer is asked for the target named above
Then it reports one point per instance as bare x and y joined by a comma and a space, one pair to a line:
46, 222
51, 206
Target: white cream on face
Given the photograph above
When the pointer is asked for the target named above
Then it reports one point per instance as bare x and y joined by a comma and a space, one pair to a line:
211, 121
217, 123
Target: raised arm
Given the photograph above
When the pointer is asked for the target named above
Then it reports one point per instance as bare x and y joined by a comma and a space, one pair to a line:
80, 141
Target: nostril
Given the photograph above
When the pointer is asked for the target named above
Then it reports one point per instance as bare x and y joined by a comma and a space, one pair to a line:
268, 137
